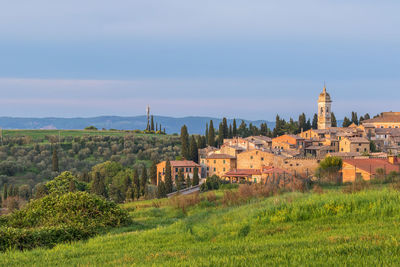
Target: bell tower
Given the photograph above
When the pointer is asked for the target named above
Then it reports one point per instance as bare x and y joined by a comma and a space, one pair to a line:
324, 110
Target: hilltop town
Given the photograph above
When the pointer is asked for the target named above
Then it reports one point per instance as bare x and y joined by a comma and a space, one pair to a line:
365, 148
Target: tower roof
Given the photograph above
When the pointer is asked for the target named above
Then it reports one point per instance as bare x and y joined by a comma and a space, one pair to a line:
324, 96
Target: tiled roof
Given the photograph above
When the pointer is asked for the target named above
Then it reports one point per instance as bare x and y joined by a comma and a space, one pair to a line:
370, 165
220, 156
184, 163
385, 117
243, 172
358, 140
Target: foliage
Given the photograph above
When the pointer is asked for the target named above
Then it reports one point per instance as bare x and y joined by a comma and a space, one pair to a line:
62, 184
211, 183
329, 168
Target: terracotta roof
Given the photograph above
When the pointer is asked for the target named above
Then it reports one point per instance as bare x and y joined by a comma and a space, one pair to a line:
243, 172
318, 148
272, 169
358, 140
370, 165
220, 156
385, 117
184, 163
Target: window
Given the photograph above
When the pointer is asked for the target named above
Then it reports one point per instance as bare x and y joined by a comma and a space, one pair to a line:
251, 157
182, 169
224, 161
215, 161
176, 169
358, 150
251, 166
208, 168
365, 150
224, 169
262, 159
214, 169
176, 176
359, 144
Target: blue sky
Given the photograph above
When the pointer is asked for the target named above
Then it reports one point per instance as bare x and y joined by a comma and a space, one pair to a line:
247, 59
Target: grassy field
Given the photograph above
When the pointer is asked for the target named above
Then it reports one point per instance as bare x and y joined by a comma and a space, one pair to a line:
330, 229
41, 134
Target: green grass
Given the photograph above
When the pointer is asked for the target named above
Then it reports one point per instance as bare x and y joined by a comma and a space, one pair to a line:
40, 134
331, 229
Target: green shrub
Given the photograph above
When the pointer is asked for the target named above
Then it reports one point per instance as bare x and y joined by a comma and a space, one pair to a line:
16, 238
78, 208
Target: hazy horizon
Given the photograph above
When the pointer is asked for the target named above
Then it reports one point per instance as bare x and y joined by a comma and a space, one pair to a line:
241, 59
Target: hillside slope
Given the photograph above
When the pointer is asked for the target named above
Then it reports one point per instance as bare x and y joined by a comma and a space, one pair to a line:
292, 229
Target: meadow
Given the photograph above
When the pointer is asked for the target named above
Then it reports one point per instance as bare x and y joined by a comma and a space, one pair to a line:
330, 228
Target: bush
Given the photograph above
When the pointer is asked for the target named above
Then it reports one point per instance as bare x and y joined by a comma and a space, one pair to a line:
78, 208
184, 201
15, 238
211, 183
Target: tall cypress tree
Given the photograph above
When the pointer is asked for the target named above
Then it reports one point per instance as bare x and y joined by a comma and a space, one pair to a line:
153, 173
315, 122
196, 179
136, 183
143, 181
98, 185
211, 134
206, 133
333, 120
194, 153
354, 118
180, 180
54, 160
302, 122
230, 134
234, 128
185, 142
5, 192
152, 123
225, 128
221, 134
168, 177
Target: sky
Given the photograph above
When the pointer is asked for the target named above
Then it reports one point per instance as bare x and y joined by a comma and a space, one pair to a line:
247, 59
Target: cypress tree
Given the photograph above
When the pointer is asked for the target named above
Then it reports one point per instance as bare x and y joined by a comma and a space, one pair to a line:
206, 134
143, 181
354, 117
127, 184
188, 181
315, 122
161, 191
168, 177
153, 173
11, 191
264, 129
196, 179
194, 152
55, 160
367, 117
333, 119
5, 192
221, 134
230, 134
346, 122
308, 125
152, 123
302, 122
242, 131
211, 134
224, 128
98, 185
136, 183
185, 142
180, 180
234, 129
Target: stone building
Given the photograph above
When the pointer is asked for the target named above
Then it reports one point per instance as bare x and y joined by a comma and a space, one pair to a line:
187, 167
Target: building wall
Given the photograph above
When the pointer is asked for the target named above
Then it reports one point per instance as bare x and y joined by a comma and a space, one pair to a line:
220, 166
300, 166
349, 173
386, 124
255, 159
174, 171
346, 146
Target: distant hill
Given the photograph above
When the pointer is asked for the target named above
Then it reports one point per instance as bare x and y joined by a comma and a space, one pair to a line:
196, 125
